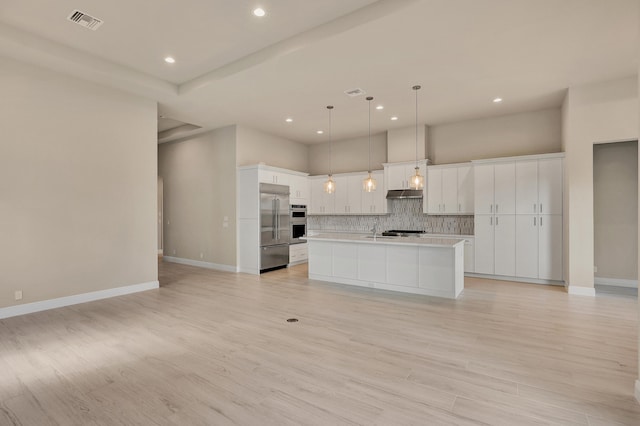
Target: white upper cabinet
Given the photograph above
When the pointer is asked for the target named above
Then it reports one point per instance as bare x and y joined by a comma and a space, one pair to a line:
483, 188
449, 189
539, 186
465, 190
397, 175
349, 196
376, 201
504, 195
299, 187
297, 182
321, 202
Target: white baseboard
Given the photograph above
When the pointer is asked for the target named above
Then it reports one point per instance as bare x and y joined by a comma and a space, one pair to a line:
581, 291
637, 392
29, 308
617, 282
199, 263
515, 279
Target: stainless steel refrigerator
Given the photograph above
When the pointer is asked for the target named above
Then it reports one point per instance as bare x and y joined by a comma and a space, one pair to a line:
275, 233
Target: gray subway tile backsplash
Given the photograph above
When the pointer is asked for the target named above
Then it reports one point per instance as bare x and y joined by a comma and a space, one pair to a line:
403, 214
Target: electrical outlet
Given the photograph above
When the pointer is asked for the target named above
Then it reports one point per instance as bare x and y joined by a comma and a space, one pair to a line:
201, 255
18, 294
595, 269
174, 251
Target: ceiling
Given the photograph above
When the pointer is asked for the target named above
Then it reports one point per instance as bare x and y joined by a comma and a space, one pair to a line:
234, 68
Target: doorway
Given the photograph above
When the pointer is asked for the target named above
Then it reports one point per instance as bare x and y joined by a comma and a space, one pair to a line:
615, 217
160, 215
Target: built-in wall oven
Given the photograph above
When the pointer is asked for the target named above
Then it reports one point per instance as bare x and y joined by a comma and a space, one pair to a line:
298, 221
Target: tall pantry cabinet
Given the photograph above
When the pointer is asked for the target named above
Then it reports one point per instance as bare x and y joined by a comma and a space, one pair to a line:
518, 217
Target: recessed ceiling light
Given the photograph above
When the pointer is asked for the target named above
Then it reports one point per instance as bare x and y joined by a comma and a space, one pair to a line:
497, 100
394, 118
320, 132
289, 120
258, 11
169, 60
379, 107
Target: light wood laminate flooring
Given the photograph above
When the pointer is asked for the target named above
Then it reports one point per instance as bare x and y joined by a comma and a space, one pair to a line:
214, 348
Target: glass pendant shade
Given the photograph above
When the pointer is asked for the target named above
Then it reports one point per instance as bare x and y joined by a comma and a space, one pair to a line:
417, 180
330, 185
369, 184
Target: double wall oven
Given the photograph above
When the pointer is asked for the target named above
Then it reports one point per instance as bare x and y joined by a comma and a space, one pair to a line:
298, 222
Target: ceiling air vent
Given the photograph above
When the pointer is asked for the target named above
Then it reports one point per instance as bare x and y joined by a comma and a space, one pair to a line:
354, 92
85, 20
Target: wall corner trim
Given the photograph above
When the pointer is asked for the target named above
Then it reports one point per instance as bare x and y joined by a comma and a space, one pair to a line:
200, 264
581, 291
29, 308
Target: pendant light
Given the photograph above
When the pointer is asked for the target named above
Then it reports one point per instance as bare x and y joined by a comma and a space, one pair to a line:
330, 185
417, 181
369, 184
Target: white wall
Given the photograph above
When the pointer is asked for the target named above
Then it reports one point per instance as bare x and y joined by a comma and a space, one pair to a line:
536, 132
199, 178
77, 186
254, 146
595, 113
349, 155
615, 201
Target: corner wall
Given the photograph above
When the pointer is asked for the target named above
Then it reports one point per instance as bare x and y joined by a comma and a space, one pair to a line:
254, 146
595, 113
77, 186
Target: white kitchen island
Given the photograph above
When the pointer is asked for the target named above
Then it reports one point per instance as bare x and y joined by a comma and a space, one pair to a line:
420, 265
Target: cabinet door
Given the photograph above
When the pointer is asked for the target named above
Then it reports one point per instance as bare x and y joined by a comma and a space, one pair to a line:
484, 244
450, 190
527, 246
465, 189
355, 191
395, 177
504, 185
376, 201
341, 195
316, 202
527, 187
434, 191
550, 186
298, 186
505, 245
550, 247
483, 189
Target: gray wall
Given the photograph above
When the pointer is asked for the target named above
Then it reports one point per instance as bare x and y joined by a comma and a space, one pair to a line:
537, 132
615, 210
199, 176
254, 146
350, 155
78, 184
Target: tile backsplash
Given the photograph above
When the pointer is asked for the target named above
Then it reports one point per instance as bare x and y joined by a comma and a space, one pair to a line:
403, 214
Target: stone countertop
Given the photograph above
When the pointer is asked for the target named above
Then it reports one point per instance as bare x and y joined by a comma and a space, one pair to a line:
425, 241
316, 232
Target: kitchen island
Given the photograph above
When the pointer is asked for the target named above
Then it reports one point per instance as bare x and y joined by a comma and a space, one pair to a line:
420, 265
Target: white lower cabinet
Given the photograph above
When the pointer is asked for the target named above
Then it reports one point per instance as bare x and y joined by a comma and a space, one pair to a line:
402, 264
298, 253
495, 243
539, 247
345, 260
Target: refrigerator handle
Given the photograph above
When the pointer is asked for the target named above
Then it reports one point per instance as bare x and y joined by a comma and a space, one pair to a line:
274, 218
277, 218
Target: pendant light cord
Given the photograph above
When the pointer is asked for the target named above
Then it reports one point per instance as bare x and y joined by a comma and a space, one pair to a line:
416, 88
369, 99
330, 107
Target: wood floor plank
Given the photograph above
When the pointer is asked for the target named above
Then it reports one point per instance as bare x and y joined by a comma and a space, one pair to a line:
213, 347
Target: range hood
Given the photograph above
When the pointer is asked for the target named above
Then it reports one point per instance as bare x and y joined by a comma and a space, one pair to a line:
398, 194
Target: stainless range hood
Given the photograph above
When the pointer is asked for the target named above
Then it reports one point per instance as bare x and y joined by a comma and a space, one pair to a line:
399, 194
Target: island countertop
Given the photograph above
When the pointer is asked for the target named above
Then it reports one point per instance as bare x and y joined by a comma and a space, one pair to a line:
392, 240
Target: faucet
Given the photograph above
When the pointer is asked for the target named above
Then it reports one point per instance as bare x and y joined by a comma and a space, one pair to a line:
375, 228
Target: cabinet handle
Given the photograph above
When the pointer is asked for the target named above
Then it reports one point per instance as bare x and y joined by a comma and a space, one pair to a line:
497, 205
496, 220
540, 220
540, 207
534, 221
459, 207
491, 220
490, 208
534, 207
